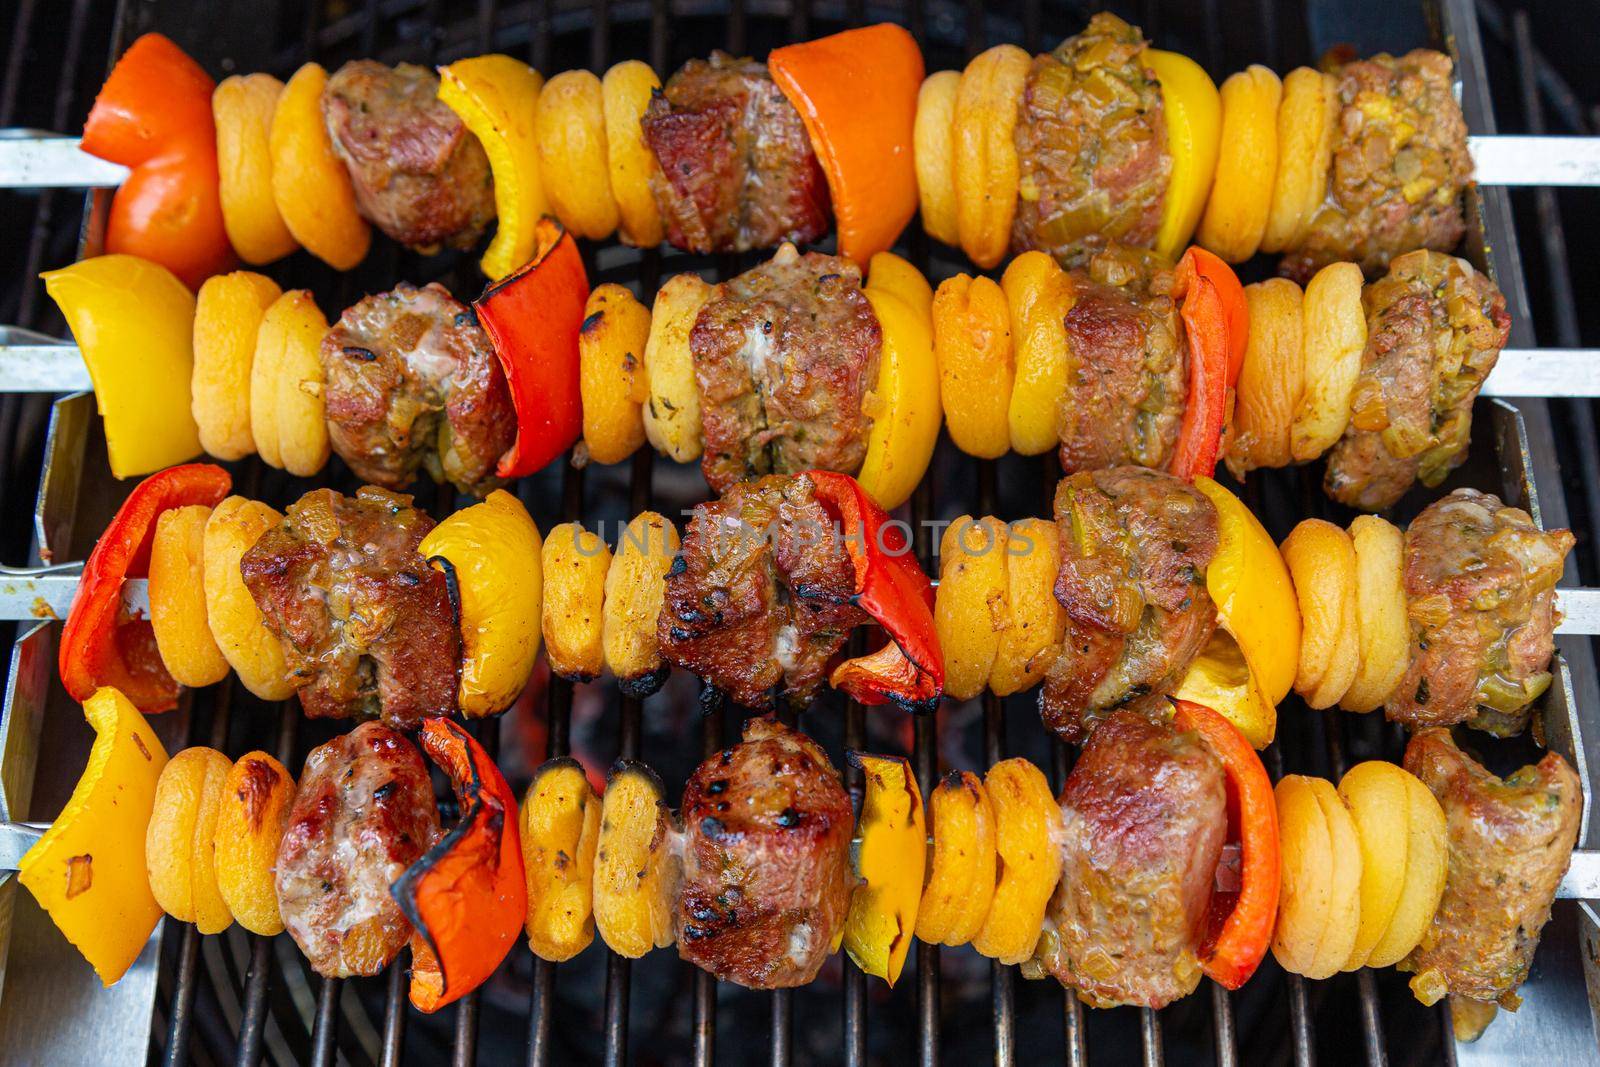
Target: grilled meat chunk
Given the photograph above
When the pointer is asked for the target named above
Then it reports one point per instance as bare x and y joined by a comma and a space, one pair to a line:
1510, 843
420, 175
413, 381
784, 354
1435, 328
363, 813
1135, 545
766, 878
1400, 164
1145, 814
367, 626
1091, 138
1128, 379
759, 598
1480, 583
735, 165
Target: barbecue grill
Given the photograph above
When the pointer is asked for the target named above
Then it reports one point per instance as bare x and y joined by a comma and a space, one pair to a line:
246, 999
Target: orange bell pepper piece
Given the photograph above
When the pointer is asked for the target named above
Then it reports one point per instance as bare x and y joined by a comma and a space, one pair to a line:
1238, 928
467, 896
856, 92
153, 115
1216, 322
533, 316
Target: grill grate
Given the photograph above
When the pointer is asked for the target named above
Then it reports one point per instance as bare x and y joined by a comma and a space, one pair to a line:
250, 1000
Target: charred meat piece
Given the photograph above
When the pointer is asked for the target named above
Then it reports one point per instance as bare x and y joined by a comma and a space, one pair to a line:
1400, 164
783, 356
759, 598
1435, 328
363, 813
1135, 545
735, 165
420, 175
367, 626
1510, 843
766, 872
1145, 814
1091, 137
413, 381
1480, 583
1127, 380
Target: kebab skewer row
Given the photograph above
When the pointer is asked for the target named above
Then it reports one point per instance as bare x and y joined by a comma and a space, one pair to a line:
1389, 869
1102, 139
1123, 362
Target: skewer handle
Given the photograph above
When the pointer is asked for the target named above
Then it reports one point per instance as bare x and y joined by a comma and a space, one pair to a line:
30, 159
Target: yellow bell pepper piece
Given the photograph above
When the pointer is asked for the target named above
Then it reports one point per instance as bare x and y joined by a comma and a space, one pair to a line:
893, 853
496, 97
1257, 609
88, 870
134, 324
491, 546
1194, 136
904, 403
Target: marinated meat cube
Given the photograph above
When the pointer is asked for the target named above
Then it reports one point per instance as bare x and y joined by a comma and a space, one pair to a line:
1091, 138
367, 626
759, 598
1509, 844
1145, 815
1480, 583
363, 813
1127, 381
736, 169
1400, 165
766, 879
784, 356
420, 175
413, 382
1435, 327
1135, 545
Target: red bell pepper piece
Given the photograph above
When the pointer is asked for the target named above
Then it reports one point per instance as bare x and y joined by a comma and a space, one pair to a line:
1216, 321
891, 587
466, 896
153, 115
533, 316
100, 644
1239, 925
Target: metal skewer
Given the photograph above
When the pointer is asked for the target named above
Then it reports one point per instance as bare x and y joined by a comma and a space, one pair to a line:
32, 363
35, 159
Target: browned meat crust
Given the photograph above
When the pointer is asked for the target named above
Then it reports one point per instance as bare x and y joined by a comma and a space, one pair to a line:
1480, 583
1400, 164
367, 626
1091, 137
736, 170
766, 879
1128, 377
413, 381
1145, 814
1510, 843
758, 600
363, 813
1435, 327
420, 175
1135, 545
784, 355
